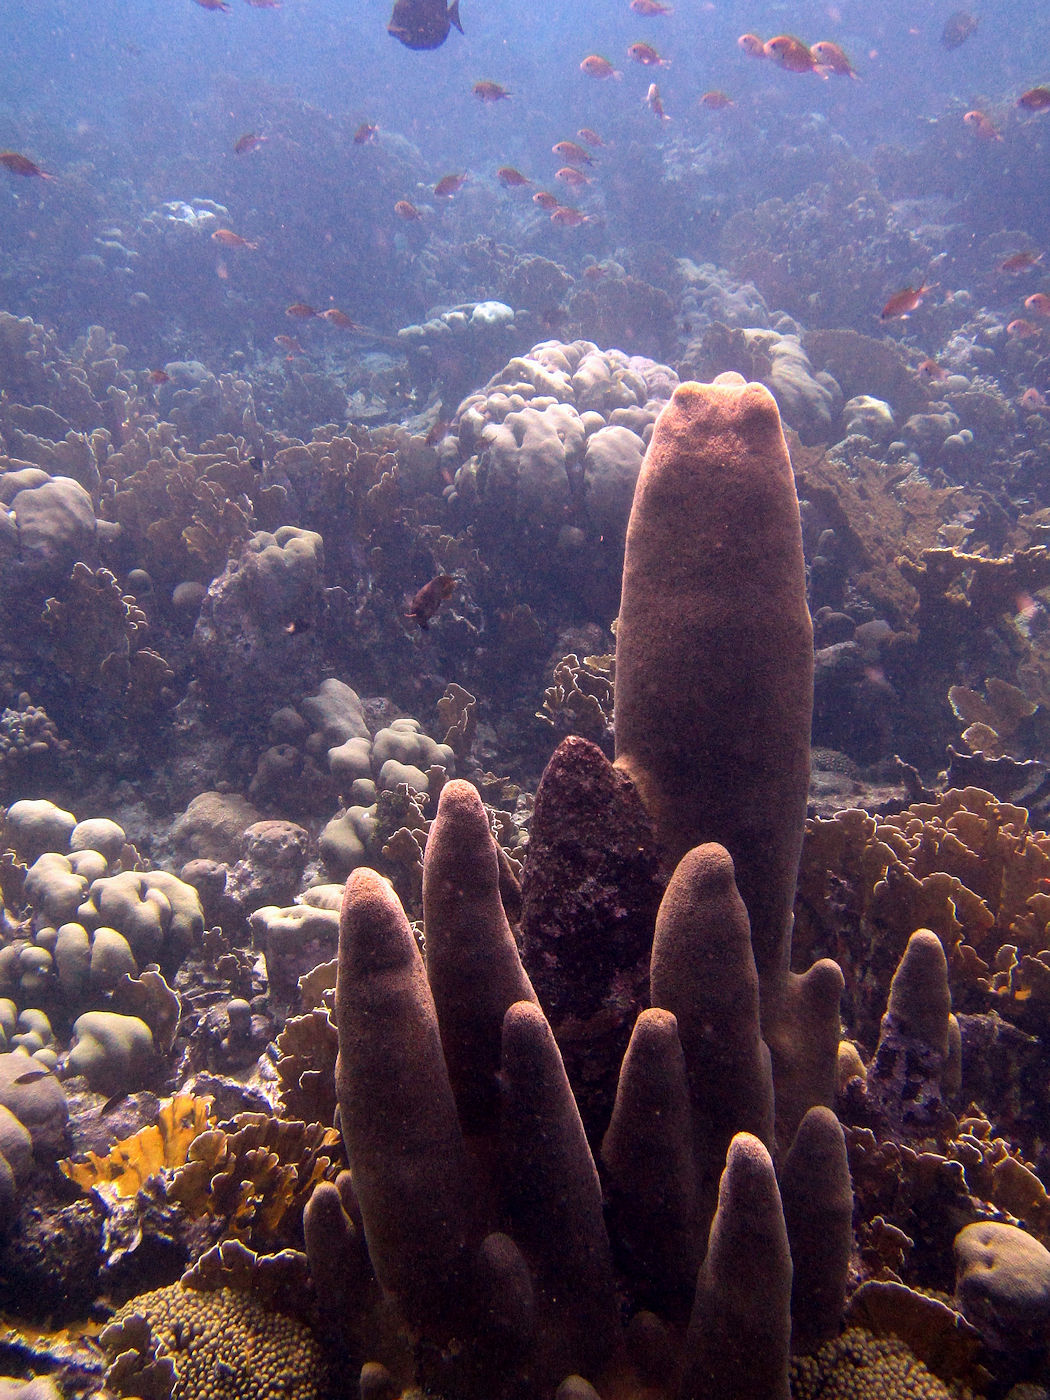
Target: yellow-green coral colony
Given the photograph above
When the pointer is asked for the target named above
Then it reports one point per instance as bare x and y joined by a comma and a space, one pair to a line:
222, 1345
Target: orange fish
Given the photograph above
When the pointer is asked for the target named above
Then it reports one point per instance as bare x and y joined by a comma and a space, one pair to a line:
715, 100
229, 239
790, 53
300, 311
21, 165
589, 135
429, 598
437, 433
1021, 262
576, 178
289, 343
490, 92
1033, 400
214, 5
904, 302
572, 153
647, 56
1021, 329
367, 131
513, 179
404, 210
599, 67
568, 217
983, 126
158, 376
265, 4
250, 141
545, 199
1038, 303
931, 371
650, 8
335, 317
832, 59
1036, 99
752, 45
655, 103
448, 185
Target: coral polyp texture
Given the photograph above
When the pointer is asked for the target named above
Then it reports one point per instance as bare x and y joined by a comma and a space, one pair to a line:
221, 1345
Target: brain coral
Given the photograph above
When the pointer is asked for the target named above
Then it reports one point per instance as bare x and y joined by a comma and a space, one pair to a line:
860, 1366
223, 1346
525, 444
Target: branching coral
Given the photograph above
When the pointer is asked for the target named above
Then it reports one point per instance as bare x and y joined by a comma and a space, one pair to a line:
966, 866
580, 697
184, 513
98, 641
257, 1177
877, 513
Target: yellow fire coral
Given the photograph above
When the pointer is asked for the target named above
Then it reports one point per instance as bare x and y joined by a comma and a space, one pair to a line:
163, 1145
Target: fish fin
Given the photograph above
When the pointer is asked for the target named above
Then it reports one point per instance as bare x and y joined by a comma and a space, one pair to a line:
453, 15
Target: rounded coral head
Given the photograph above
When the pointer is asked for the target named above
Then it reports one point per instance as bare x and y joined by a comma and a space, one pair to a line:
374, 932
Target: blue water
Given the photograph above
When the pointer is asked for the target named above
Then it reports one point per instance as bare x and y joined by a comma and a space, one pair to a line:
132, 105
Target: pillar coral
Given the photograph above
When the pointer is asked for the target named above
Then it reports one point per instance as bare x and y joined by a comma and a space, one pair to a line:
479, 1196
714, 690
494, 1248
714, 648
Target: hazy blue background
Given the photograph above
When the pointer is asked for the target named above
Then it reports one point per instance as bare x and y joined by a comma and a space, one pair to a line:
136, 103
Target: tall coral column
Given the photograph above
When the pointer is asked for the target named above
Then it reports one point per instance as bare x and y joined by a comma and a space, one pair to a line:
714, 652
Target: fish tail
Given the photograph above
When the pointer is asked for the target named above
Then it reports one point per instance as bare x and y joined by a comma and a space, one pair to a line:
453, 15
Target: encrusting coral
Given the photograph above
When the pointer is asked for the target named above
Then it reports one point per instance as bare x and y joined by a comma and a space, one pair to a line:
187, 1344
473, 1182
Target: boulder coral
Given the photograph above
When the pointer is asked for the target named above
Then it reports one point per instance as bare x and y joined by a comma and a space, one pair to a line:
475, 1190
536, 444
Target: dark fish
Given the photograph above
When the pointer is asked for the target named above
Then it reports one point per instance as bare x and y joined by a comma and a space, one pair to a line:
250, 141
423, 24
256, 463
31, 1076
957, 28
429, 598
1036, 99
449, 185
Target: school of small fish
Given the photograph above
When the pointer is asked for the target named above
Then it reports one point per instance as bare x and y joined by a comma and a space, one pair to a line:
425, 25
